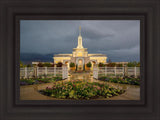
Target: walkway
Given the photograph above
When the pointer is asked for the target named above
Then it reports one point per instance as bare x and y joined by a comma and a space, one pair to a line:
30, 92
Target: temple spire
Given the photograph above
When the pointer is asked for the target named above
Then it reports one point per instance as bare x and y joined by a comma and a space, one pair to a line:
79, 30
80, 39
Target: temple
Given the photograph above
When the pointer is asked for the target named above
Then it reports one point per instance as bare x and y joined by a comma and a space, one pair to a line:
80, 56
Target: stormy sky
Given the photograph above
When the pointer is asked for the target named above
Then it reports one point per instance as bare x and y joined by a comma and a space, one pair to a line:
118, 39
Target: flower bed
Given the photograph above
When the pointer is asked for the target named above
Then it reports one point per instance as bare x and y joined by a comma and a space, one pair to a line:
80, 90
121, 80
32, 81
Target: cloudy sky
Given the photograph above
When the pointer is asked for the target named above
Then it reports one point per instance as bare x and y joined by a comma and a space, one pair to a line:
118, 39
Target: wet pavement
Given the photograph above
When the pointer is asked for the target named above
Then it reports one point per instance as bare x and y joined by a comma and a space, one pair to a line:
30, 92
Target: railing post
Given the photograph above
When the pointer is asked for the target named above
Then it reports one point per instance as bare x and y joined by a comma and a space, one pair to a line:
123, 71
97, 70
93, 71
37, 71
25, 72
55, 71
105, 70
126, 71
67, 72
135, 72
115, 70
63, 72
45, 70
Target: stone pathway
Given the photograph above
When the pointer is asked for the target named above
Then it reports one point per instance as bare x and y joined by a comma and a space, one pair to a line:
30, 92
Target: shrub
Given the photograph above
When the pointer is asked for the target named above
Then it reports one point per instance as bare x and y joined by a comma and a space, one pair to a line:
76, 67
32, 81
72, 64
26, 82
21, 64
111, 64
119, 65
89, 64
124, 80
28, 65
101, 65
40, 64
59, 64
133, 64
138, 64
52, 65
47, 64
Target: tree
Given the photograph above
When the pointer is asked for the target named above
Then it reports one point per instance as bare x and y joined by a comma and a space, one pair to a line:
21, 63
47, 64
101, 65
138, 64
76, 67
109, 61
89, 64
29, 65
119, 65
52, 65
132, 64
59, 64
72, 64
40, 64
111, 64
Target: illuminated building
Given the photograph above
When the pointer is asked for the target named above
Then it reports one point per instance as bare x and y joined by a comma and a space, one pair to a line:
80, 56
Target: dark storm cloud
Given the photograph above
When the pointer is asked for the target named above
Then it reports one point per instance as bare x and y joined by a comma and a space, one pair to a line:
119, 39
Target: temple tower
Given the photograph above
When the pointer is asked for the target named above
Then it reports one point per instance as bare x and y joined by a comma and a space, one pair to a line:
80, 39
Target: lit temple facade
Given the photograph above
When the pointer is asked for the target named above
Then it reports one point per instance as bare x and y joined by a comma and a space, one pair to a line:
80, 56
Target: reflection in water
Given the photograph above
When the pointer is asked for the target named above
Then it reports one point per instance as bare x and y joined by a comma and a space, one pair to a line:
30, 92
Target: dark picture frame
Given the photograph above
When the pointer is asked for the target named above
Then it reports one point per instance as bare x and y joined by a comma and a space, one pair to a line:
79, 102
148, 12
